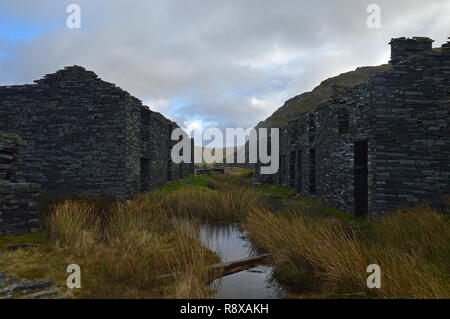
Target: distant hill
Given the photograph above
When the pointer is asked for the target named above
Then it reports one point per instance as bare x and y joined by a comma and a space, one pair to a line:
213, 150
296, 106
293, 108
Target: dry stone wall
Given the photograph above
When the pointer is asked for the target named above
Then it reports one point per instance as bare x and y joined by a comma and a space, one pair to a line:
377, 146
87, 136
19, 209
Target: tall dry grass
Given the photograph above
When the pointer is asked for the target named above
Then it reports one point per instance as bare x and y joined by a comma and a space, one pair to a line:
124, 257
123, 247
227, 198
412, 247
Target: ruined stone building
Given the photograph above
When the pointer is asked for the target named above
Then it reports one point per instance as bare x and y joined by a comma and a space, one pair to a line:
384, 143
87, 136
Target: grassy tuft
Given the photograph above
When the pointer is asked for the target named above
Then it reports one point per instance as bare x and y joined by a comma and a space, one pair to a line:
218, 198
411, 247
35, 238
275, 190
123, 247
120, 258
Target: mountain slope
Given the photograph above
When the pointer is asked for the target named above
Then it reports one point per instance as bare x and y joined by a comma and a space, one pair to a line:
293, 108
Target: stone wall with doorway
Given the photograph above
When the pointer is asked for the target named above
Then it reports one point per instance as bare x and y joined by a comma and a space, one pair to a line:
380, 145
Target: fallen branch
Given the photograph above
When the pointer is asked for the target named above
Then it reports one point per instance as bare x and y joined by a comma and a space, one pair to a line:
232, 267
228, 268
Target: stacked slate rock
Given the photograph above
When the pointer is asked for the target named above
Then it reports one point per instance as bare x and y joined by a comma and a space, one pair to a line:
381, 144
19, 209
86, 136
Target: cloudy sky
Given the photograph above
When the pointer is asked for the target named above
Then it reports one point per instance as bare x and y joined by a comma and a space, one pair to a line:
230, 63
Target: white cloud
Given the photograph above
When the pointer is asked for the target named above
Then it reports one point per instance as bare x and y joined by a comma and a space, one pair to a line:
234, 61
159, 105
274, 57
261, 103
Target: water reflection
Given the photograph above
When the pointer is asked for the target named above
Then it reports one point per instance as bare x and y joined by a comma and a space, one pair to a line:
231, 243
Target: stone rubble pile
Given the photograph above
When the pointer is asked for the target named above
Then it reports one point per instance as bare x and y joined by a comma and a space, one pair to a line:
15, 288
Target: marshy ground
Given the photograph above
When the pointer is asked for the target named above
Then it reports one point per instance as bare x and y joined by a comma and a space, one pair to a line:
317, 252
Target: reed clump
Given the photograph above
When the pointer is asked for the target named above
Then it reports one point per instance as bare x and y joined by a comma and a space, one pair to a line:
324, 255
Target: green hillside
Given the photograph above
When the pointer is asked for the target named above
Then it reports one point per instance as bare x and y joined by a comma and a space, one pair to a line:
293, 108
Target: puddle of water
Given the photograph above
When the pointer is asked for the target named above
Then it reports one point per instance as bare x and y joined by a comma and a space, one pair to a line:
230, 244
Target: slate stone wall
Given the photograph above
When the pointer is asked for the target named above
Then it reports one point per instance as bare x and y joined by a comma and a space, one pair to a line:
154, 136
19, 209
400, 116
85, 135
412, 132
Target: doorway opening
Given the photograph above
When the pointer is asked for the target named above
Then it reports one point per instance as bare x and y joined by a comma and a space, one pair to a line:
145, 175
299, 172
292, 169
282, 169
312, 171
361, 178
